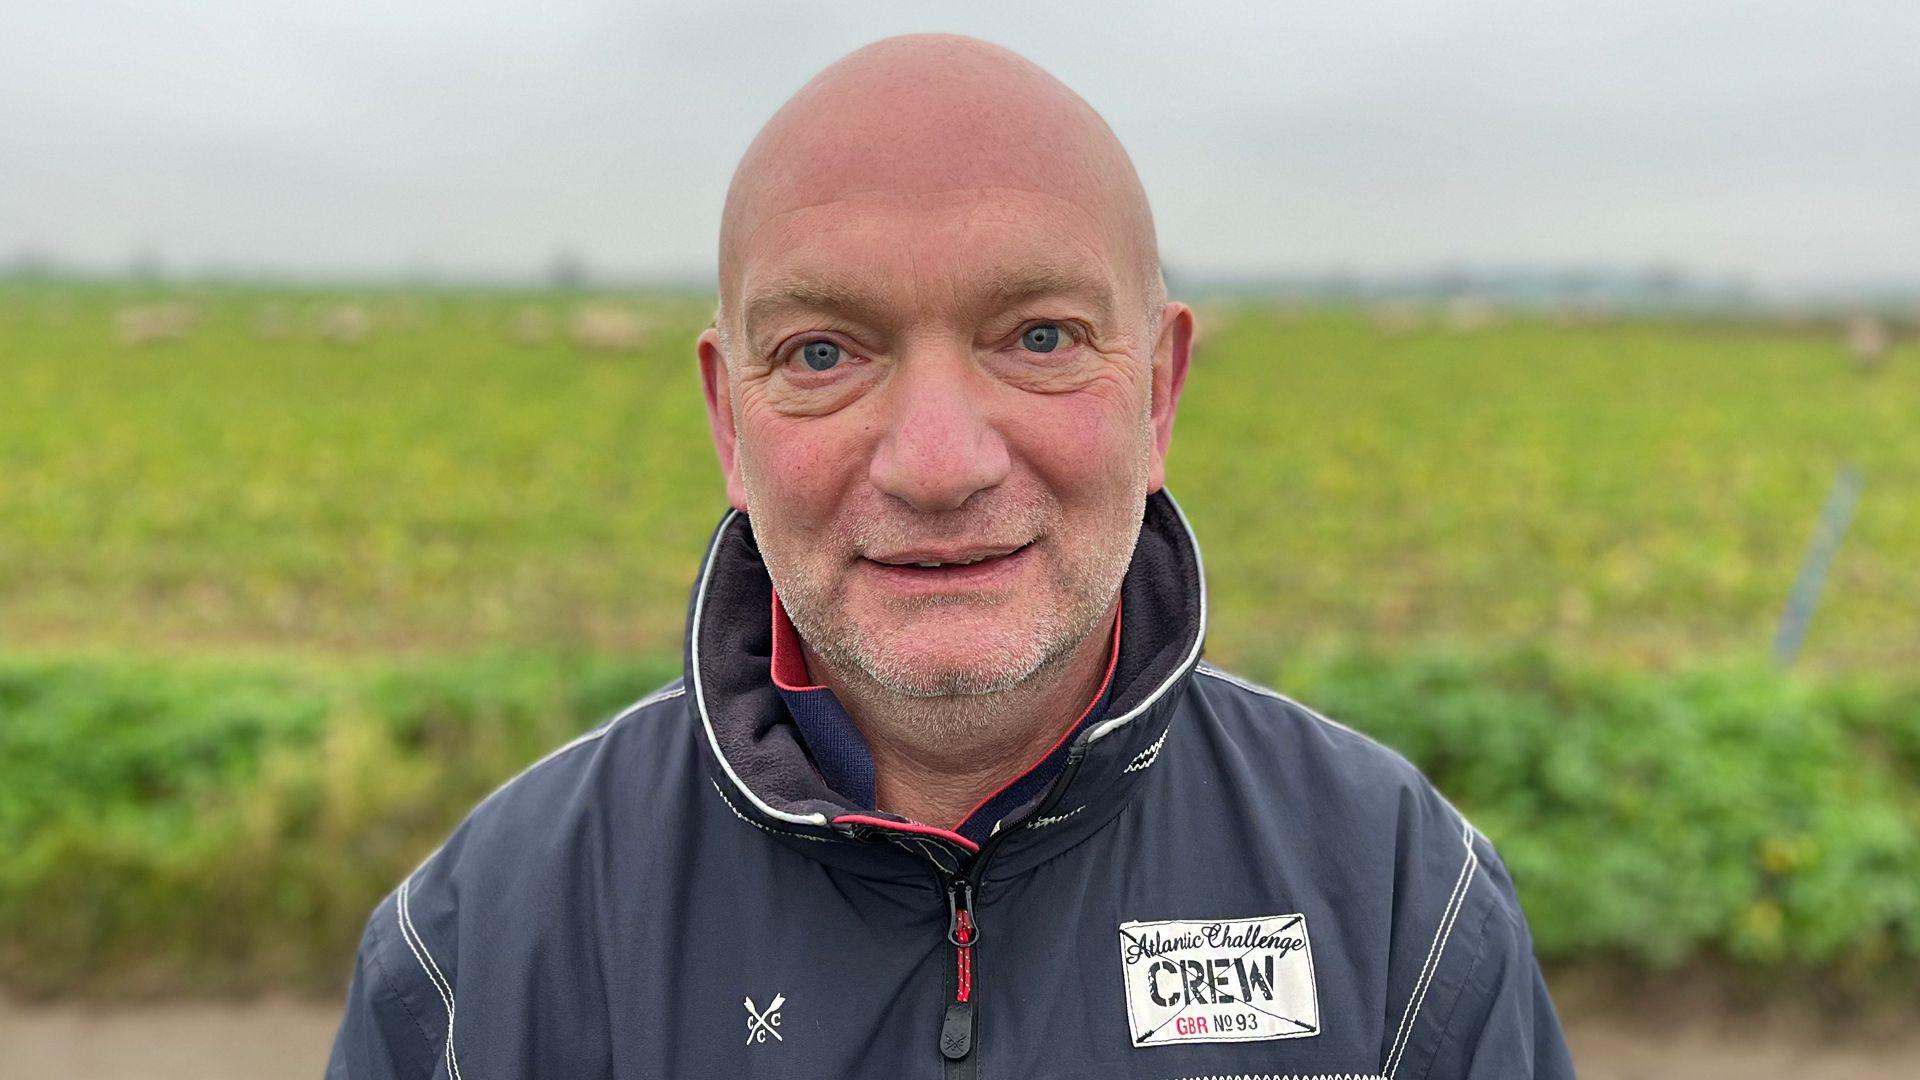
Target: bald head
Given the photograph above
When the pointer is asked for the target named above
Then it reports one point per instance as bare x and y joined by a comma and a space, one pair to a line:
924, 114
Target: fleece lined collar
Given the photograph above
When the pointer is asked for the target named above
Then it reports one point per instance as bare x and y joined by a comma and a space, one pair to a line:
759, 755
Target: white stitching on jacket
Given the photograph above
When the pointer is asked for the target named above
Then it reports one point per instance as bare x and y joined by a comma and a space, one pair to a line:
1107, 727
403, 906
1206, 668
403, 914
1455, 901
666, 693
1288, 1076
699, 687
1055, 819
1434, 952
718, 790
1145, 758
945, 860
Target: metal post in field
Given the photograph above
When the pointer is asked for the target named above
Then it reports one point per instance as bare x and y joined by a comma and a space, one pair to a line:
1842, 497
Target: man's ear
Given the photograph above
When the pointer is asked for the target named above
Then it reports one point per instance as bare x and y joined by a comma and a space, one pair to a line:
714, 383
1171, 352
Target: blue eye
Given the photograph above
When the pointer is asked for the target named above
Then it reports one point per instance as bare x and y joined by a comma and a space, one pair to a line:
1042, 338
820, 355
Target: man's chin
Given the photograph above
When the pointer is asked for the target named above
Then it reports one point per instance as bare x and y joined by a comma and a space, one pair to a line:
915, 673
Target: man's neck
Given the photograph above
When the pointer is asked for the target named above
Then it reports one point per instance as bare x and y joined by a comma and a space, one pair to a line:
935, 759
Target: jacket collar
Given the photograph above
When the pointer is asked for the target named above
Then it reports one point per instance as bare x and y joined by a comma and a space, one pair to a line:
760, 764
840, 752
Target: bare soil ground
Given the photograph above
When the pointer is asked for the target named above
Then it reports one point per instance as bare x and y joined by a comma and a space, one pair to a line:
289, 1038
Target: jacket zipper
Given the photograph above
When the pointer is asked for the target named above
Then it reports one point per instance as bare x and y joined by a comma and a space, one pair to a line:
957, 1026
960, 1024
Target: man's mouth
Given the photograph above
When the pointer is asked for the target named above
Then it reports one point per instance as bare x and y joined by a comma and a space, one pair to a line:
933, 559
956, 565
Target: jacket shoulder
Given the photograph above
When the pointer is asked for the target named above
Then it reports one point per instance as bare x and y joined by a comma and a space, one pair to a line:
1458, 949
1341, 775
400, 1006
539, 794
1323, 758
625, 759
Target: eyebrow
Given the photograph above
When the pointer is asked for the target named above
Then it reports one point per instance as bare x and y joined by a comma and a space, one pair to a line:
811, 294
1001, 290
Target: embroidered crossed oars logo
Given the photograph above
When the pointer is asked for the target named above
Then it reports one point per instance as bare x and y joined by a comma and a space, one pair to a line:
762, 1024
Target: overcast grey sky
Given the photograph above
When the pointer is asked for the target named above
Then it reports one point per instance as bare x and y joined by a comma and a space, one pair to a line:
1772, 139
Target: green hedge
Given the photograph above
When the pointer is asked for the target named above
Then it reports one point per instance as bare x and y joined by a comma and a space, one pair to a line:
1730, 811
208, 827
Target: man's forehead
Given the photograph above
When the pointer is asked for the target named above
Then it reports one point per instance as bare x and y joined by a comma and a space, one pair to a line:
977, 246
875, 297
880, 209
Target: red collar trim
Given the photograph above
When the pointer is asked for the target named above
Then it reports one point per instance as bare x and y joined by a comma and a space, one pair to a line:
1113, 661
789, 663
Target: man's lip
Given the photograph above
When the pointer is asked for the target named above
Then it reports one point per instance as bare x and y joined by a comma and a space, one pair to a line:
946, 555
951, 580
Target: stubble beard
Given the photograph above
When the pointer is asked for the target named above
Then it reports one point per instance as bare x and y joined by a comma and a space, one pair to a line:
947, 701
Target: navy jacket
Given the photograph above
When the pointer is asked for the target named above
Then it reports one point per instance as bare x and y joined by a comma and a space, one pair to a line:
1218, 882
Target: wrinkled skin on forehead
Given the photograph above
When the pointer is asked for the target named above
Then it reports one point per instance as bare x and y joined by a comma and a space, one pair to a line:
965, 254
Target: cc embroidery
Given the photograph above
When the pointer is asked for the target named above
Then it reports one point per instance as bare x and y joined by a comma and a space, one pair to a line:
1219, 980
761, 1024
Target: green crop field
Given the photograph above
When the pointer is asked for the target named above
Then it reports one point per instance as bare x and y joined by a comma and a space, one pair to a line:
1640, 491
288, 586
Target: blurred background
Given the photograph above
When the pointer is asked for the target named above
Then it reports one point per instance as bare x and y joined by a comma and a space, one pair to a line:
1553, 420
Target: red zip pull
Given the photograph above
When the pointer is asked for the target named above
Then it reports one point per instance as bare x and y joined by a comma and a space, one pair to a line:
963, 959
956, 1027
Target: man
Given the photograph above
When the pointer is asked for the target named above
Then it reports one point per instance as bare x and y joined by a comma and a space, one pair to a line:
945, 789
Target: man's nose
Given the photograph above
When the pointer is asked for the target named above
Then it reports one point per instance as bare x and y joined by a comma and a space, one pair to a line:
940, 444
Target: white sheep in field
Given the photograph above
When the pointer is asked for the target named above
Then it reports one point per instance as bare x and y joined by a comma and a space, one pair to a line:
1869, 340
604, 328
154, 324
345, 324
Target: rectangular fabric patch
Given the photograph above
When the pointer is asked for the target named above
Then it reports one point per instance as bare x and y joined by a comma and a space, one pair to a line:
1219, 980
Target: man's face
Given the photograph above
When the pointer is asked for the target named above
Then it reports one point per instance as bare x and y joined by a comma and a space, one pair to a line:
942, 378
